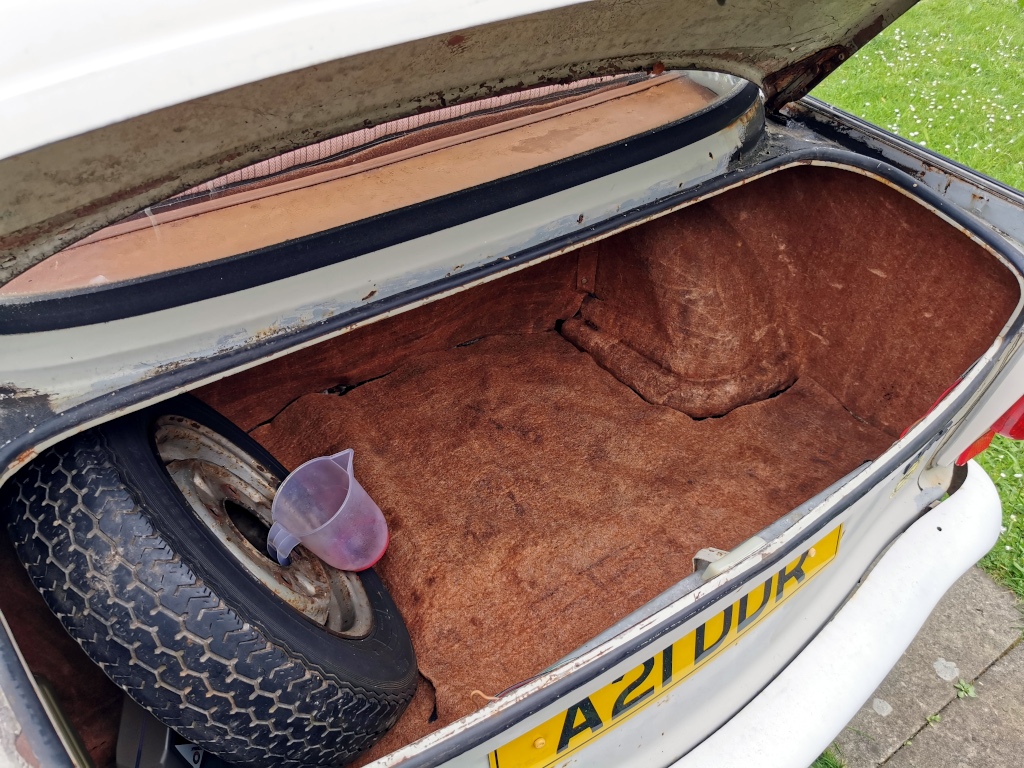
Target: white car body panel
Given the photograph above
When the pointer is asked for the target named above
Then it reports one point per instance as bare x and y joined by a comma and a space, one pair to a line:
107, 62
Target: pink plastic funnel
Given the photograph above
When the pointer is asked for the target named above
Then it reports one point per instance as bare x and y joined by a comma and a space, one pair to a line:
322, 506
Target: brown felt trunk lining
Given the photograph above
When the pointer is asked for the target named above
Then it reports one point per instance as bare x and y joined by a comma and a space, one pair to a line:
534, 500
553, 447
85, 694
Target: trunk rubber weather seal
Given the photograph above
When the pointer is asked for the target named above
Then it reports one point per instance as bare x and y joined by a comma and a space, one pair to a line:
56, 311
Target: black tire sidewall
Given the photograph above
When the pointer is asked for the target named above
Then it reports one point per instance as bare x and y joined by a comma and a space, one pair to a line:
383, 660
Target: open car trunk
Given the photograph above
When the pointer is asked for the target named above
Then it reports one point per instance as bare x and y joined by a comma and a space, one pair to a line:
551, 444
551, 448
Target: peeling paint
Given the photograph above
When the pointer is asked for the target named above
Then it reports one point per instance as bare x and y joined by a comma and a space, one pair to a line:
22, 410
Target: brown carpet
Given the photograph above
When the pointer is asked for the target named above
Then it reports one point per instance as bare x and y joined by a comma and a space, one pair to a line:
534, 500
727, 362
91, 702
810, 272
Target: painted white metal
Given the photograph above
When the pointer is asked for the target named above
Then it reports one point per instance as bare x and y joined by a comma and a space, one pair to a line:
843, 665
732, 558
67, 67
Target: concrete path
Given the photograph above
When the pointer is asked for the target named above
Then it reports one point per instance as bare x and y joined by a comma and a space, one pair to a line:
988, 730
972, 636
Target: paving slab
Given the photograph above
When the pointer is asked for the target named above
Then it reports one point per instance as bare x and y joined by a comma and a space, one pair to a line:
984, 731
972, 627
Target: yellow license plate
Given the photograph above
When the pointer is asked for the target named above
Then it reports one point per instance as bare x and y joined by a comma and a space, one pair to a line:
601, 711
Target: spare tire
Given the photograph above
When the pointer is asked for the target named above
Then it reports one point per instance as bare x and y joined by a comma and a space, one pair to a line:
143, 536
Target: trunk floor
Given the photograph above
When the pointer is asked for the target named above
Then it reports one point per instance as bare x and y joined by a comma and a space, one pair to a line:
534, 500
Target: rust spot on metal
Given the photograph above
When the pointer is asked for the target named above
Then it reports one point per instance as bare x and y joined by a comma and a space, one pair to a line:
173, 365
26, 456
658, 68
796, 80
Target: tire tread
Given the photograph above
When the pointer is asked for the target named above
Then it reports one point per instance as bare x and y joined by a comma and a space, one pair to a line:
162, 634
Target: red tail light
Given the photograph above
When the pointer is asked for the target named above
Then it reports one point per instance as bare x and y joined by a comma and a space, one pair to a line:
1010, 424
976, 447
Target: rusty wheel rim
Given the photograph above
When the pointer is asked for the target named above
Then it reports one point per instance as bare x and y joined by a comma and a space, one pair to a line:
231, 493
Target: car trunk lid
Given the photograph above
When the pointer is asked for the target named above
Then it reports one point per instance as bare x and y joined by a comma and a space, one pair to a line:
239, 83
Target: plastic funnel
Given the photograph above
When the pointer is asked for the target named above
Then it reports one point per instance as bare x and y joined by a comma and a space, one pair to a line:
322, 506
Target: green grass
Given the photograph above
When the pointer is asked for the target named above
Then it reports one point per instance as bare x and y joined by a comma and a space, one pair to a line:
830, 758
949, 74
1004, 461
